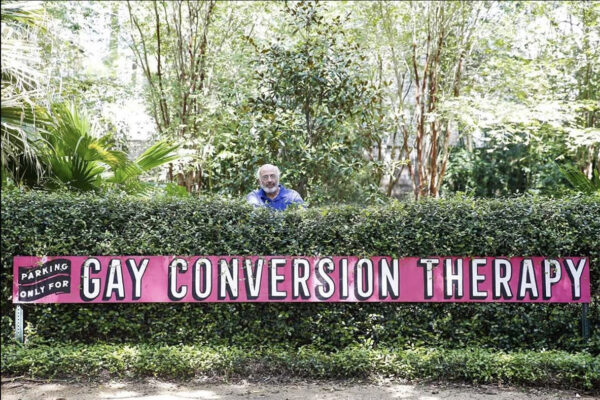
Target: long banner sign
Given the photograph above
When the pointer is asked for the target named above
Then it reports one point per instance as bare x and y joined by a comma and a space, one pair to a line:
151, 279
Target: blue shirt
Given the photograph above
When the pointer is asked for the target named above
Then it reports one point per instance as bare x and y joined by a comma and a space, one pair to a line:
285, 197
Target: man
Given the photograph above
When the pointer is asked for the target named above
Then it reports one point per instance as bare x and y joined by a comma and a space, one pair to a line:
271, 193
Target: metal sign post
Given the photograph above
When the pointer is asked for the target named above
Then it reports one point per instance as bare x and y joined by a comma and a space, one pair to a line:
585, 325
19, 335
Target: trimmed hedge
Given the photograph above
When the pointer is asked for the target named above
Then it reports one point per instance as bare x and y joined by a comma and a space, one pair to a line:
549, 369
41, 223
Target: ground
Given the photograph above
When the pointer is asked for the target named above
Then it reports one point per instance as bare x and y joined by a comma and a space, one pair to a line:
155, 389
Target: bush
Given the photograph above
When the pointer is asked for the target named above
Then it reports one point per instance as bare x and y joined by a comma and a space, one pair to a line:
549, 369
40, 223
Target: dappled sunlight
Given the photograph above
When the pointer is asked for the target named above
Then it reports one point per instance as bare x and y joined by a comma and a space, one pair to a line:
156, 390
121, 394
152, 389
49, 388
164, 395
401, 392
116, 385
440, 161
198, 394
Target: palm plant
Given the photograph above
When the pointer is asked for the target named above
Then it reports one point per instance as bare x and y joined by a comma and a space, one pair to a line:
78, 159
73, 156
21, 119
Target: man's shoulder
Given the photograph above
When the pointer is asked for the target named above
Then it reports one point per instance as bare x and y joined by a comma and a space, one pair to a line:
291, 194
254, 197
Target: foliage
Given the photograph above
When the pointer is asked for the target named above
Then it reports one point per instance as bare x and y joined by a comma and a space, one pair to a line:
508, 92
549, 369
316, 111
21, 115
533, 104
399, 85
57, 146
502, 169
75, 157
581, 182
156, 155
87, 63
176, 34
72, 156
432, 66
35, 224
301, 99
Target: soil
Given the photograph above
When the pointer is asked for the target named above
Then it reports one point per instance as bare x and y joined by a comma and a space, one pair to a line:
155, 389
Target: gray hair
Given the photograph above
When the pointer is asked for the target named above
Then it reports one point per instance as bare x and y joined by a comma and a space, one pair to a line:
267, 165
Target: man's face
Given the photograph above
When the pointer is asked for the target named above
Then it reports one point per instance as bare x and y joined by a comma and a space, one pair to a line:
269, 180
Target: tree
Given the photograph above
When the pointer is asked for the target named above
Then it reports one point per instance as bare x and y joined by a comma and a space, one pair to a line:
170, 42
315, 106
583, 59
427, 48
538, 79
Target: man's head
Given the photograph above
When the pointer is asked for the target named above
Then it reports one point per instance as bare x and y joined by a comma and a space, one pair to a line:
268, 178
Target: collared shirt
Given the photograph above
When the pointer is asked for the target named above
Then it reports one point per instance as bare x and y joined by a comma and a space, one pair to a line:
284, 198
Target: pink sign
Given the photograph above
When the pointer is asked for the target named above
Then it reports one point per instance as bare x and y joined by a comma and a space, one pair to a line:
157, 279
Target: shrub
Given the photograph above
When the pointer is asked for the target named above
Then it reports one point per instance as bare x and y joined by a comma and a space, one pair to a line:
41, 223
549, 369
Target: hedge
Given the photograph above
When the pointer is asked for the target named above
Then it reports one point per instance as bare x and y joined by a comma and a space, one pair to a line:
42, 223
550, 368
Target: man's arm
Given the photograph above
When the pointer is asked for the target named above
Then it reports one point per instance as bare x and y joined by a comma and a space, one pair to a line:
296, 198
254, 199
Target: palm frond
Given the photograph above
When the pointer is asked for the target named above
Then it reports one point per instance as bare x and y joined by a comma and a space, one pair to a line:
125, 173
24, 170
21, 119
156, 155
20, 128
75, 172
22, 12
579, 180
19, 61
72, 134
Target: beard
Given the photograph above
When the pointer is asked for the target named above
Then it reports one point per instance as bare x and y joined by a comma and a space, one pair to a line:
270, 190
